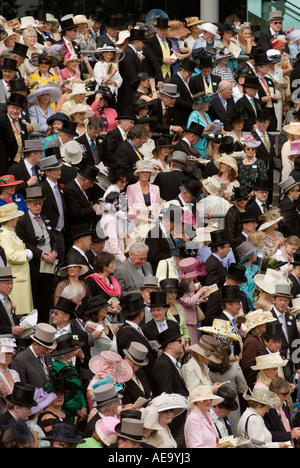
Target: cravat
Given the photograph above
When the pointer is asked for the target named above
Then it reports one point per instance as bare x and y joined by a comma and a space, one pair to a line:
284, 419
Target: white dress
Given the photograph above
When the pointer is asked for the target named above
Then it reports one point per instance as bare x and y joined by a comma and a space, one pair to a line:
100, 73
256, 429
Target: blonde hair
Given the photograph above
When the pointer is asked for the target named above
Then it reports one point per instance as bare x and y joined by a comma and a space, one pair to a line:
292, 240
256, 237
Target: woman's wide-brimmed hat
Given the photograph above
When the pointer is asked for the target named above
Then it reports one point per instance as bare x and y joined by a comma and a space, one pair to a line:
137, 353
9, 181
211, 28
38, 58
212, 185
105, 429
255, 318
189, 268
203, 234
22, 394
119, 54
150, 418
65, 433
43, 399
7, 344
78, 88
72, 261
131, 429
82, 108
110, 363
269, 218
168, 401
221, 328
44, 335
207, 347
229, 160
71, 57
27, 22
53, 91
250, 141
223, 53
262, 396
203, 393
293, 128
67, 343
294, 148
245, 250
267, 281
269, 361
177, 30
94, 304
193, 21
240, 193
9, 211
144, 165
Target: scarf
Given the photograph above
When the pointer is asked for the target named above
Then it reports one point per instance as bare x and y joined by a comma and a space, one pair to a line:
114, 290
101, 111
289, 258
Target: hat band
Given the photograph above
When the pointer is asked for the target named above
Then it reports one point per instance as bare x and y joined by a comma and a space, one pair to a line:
45, 343
131, 436
139, 361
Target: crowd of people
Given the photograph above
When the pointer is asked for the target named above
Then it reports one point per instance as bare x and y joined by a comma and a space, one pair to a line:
150, 232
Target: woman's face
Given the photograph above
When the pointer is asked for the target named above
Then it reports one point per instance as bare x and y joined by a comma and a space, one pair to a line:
291, 249
44, 67
109, 269
31, 40
208, 37
79, 117
246, 34
44, 99
121, 184
6, 358
10, 41
165, 417
227, 36
271, 373
102, 313
238, 125
171, 297
73, 271
204, 405
8, 191
144, 176
250, 152
164, 152
57, 125
224, 167
72, 65
108, 56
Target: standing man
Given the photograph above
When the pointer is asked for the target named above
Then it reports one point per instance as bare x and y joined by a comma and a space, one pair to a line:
28, 169
161, 47
9, 322
115, 137
184, 104
275, 21
290, 224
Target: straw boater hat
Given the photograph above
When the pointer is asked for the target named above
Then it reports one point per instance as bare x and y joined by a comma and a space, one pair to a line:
202, 393
207, 347
264, 397
9, 211
256, 318
222, 328
269, 361
267, 281
44, 335
166, 401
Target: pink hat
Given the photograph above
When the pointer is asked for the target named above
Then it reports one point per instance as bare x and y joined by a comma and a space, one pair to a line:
295, 147
105, 429
110, 363
190, 267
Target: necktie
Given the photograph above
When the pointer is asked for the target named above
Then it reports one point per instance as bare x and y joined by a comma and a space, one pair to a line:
38, 219
207, 80
60, 223
165, 117
94, 150
253, 105
266, 141
284, 419
264, 207
15, 124
33, 171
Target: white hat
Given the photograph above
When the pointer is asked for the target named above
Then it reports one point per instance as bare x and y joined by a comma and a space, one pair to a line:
268, 281
294, 36
82, 108
123, 35
269, 361
71, 152
202, 393
203, 233
211, 28
80, 19
256, 318
166, 401
28, 22
54, 91
78, 88
211, 185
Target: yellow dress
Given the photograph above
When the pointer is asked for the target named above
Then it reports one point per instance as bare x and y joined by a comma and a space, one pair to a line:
43, 80
14, 249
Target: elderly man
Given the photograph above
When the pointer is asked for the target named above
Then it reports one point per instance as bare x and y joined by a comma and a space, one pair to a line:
13, 132
28, 169
106, 404
275, 21
223, 103
163, 108
184, 104
131, 272
9, 323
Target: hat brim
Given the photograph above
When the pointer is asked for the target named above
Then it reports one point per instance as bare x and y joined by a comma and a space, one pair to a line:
64, 270
132, 358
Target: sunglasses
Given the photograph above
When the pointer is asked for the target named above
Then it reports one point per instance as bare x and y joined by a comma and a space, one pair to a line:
277, 22
250, 149
44, 62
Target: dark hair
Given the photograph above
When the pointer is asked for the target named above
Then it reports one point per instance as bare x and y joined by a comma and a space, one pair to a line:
102, 260
137, 131
117, 172
297, 164
224, 351
95, 122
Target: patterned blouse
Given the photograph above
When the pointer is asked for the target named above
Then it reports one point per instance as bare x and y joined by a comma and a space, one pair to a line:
248, 173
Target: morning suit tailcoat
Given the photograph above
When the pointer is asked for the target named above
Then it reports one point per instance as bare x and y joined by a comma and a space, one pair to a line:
78, 205
127, 156
129, 68
130, 277
196, 83
5, 322
50, 208
290, 224
274, 424
133, 391
184, 104
218, 112
29, 368
154, 45
169, 183
109, 146
151, 330
213, 308
20, 172
165, 117
215, 271
88, 153
295, 285
253, 206
159, 246
248, 113
8, 142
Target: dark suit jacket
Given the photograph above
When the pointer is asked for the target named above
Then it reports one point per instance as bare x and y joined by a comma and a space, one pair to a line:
252, 205
159, 247
125, 155
163, 123
154, 45
21, 173
295, 285
275, 426
290, 224
196, 83
129, 68
264, 40
265, 155
109, 146
293, 336
244, 106
79, 210
8, 142
29, 368
129, 276
213, 308
132, 391
88, 154
5, 323
50, 208
169, 183
151, 331
184, 103
215, 271
217, 110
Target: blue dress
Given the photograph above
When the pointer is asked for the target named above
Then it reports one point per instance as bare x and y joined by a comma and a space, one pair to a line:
195, 116
250, 286
18, 199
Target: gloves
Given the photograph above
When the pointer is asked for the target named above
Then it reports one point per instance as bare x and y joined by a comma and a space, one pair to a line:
28, 254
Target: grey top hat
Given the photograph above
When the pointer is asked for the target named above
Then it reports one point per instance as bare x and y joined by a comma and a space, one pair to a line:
245, 250
288, 184
149, 282
137, 353
34, 193
32, 145
50, 162
170, 90
44, 335
131, 429
6, 273
283, 290
105, 394
179, 156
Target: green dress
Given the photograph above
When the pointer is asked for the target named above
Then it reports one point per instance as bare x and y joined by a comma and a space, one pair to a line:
248, 173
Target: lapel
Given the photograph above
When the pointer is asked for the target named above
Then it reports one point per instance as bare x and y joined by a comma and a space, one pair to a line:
33, 361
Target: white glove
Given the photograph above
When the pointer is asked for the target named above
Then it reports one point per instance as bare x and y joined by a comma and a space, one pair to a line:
28, 254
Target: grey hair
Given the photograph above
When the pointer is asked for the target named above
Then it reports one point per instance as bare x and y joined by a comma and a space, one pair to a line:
138, 247
28, 32
223, 84
72, 292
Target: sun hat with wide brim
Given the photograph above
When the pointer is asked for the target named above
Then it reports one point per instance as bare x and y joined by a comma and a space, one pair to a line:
9, 211
207, 347
245, 250
256, 318
270, 223
211, 28
105, 429
193, 21
78, 88
144, 165
170, 401
63, 270
229, 160
9, 181
37, 58
110, 363
82, 108
267, 281
109, 48
53, 91
222, 328
269, 361
203, 393
262, 396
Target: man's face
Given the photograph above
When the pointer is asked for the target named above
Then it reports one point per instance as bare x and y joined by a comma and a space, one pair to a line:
138, 259
263, 125
8, 74
145, 292
227, 92
6, 287
276, 25
98, 246
14, 111
274, 345
281, 303
158, 313
206, 71
251, 226
35, 207
168, 101
224, 250
94, 132
59, 318
261, 195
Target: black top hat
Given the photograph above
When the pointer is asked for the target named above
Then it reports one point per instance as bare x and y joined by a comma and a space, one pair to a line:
99, 15
229, 397
66, 305
230, 294
65, 433
54, 151
98, 235
69, 127
193, 187
219, 237
261, 59
133, 303
116, 21
162, 23
273, 330
169, 284
296, 258
204, 60
16, 99
18, 84
22, 394
67, 25
90, 172
240, 193
158, 299
247, 217
65, 344
251, 81
237, 272
261, 183
9, 64
94, 304
188, 65
137, 35
20, 49
170, 334
195, 128
80, 231
262, 115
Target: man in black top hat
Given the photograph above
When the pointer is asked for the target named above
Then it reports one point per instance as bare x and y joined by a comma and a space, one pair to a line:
81, 237
159, 321
13, 133
249, 105
235, 276
19, 53
162, 49
20, 403
205, 82
68, 32
191, 137
115, 137
215, 268
28, 169
221, 411
113, 24
259, 202
9, 70
65, 134
248, 220
129, 68
184, 104
97, 245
